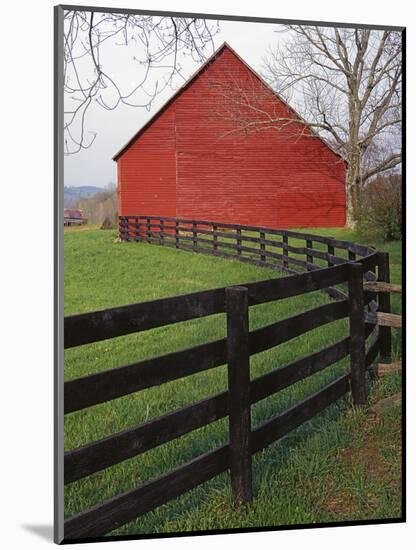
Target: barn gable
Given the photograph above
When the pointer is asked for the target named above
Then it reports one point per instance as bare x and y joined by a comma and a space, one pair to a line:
189, 160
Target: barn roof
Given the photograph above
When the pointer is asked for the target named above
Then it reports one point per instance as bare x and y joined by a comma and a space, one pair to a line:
193, 77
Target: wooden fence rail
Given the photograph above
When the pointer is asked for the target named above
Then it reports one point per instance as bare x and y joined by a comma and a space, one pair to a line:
380, 286
345, 275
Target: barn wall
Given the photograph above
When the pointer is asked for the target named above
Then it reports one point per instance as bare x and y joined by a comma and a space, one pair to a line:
147, 172
271, 178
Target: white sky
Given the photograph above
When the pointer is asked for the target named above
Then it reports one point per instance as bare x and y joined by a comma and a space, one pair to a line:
94, 166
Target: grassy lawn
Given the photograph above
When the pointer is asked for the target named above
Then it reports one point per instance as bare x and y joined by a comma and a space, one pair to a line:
304, 478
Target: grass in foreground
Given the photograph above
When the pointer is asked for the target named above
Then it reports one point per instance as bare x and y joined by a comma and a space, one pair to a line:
343, 468
100, 273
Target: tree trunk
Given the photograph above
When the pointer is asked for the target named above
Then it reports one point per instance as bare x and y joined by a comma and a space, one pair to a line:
352, 188
350, 219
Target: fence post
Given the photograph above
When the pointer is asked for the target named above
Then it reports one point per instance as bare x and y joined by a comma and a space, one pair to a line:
126, 229
309, 258
357, 334
176, 234
214, 229
161, 230
194, 233
351, 256
238, 360
136, 229
148, 230
262, 247
331, 251
285, 250
238, 236
121, 226
384, 306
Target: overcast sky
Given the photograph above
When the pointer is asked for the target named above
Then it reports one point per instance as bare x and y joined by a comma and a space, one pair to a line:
94, 166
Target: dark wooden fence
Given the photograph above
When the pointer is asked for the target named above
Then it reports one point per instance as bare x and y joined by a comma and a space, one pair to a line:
235, 351
243, 242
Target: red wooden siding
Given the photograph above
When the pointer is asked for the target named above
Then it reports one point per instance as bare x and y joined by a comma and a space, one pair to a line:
185, 163
147, 172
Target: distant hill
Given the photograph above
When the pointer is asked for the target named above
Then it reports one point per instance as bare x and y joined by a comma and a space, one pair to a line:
72, 194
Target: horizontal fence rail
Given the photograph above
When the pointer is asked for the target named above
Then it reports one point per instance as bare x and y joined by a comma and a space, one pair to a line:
115, 448
351, 276
123, 445
87, 328
123, 508
226, 241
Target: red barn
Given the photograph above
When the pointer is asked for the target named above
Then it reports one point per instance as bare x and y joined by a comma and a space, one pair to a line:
195, 158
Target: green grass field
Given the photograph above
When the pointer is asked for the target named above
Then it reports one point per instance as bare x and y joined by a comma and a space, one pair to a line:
304, 478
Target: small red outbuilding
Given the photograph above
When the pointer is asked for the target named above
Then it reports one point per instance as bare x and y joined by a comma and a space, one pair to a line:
196, 158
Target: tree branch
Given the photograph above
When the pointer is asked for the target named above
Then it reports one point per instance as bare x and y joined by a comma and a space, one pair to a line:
387, 164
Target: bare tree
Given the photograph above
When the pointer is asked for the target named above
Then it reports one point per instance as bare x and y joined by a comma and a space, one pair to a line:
100, 206
154, 43
345, 84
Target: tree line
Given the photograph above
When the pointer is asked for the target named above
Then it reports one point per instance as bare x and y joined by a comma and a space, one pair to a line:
101, 209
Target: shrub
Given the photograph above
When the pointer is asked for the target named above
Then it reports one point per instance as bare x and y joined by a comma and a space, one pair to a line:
379, 213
